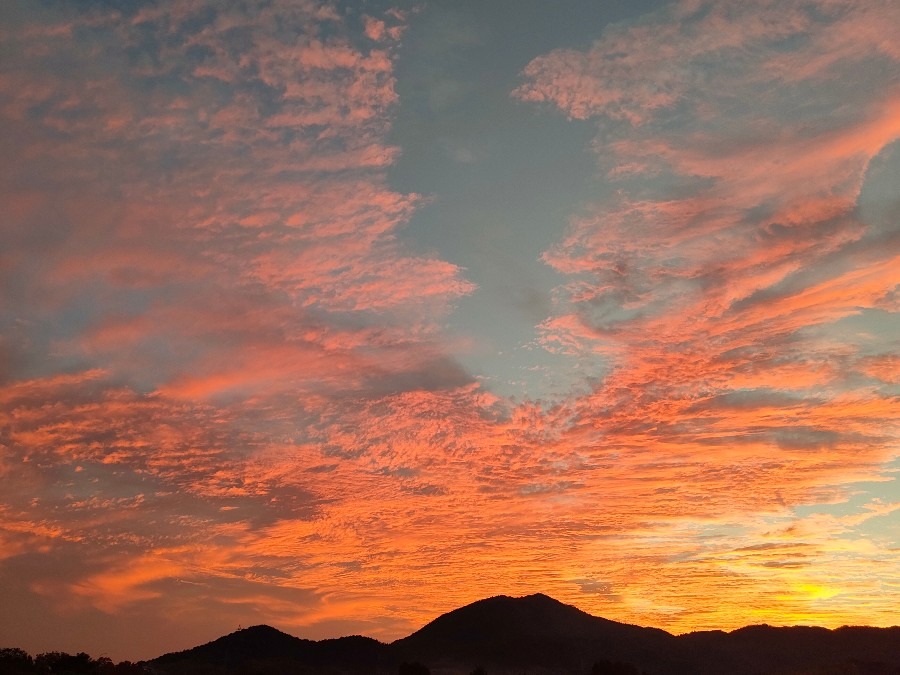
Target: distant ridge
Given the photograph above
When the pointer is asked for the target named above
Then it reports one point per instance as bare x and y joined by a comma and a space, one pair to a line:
540, 635
245, 642
263, 649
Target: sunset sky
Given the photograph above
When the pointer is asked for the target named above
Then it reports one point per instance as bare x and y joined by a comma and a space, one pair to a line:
336, 316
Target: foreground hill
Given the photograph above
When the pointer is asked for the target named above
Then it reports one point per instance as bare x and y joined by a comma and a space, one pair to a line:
539, 635
534, 631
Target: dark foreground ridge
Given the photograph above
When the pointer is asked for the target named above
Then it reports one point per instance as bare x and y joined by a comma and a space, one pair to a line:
534, 634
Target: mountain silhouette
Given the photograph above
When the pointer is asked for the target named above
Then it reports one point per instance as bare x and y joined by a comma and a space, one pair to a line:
535, 631
538, 635
849, 650
263, 649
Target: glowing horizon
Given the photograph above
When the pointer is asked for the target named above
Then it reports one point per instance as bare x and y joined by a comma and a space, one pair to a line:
336, 316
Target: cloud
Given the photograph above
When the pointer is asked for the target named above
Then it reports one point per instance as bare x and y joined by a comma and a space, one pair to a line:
884, 367
714, 278
229, 386
207, 273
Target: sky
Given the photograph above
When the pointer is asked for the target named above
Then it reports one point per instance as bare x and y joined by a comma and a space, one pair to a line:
338, 315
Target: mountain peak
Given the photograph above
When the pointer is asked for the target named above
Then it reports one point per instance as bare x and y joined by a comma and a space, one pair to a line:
535, 630
537, 597
258, 629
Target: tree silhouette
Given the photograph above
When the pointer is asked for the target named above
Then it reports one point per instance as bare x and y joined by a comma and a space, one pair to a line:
414, 668
614, 668
15, 661
478, 671
61, 663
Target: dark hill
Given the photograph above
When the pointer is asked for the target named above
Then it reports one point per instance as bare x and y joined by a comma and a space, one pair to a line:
796, 649
242, 645
263, 650
539, 635
535, 630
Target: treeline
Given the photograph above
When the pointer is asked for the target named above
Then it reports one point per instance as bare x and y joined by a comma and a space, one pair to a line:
14, 661
599, 668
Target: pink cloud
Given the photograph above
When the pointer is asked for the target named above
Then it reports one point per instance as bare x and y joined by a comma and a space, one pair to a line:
717, 311
237, 375
884, 367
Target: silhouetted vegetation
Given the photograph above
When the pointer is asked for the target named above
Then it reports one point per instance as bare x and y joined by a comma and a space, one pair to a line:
614, 668
414, 668
14, 661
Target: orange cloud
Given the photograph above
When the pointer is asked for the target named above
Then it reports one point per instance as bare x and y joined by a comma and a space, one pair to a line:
231, 387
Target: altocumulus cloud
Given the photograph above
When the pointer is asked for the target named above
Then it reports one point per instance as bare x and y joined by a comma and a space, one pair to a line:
228, 382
